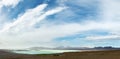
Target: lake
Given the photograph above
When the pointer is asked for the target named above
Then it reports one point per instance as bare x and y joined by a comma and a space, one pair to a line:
43, 51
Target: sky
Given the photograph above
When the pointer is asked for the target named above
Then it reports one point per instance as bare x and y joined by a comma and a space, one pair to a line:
54, 23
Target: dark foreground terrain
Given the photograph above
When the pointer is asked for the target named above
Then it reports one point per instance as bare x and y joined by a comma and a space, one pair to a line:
113, 54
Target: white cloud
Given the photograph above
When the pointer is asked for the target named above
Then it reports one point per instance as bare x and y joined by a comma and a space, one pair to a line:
110, 10
22, 32
6, 3
109, 14
23, 20
19, 29
31, 17
38, 36
47, 34
12, 3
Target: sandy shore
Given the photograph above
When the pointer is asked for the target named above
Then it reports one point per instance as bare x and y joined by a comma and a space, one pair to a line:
113, 54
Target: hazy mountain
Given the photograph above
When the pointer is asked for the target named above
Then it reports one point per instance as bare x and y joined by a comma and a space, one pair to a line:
75, 48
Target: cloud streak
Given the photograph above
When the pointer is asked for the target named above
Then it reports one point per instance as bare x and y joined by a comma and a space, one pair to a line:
25, 22
30, 14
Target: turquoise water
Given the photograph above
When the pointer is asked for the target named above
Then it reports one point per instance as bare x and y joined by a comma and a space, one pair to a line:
43, 51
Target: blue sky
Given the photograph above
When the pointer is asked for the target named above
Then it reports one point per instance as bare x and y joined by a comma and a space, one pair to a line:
53, 23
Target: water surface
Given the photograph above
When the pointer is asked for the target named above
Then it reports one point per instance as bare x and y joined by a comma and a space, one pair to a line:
43, 51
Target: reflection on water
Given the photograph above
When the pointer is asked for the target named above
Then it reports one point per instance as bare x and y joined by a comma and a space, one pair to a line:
42, 51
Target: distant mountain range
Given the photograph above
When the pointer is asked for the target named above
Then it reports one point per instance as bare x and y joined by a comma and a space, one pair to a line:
75, 48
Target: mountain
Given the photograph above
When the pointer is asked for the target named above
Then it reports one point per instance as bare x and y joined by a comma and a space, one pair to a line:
75, 48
